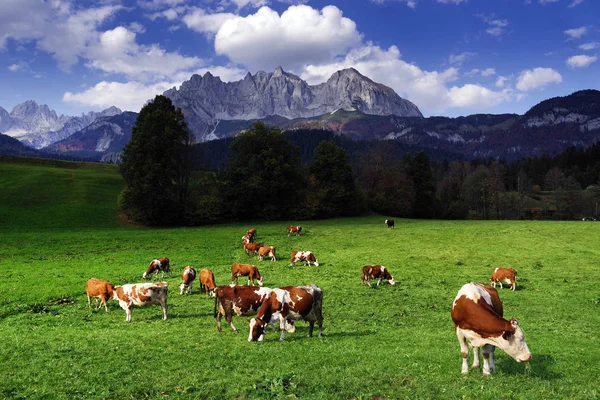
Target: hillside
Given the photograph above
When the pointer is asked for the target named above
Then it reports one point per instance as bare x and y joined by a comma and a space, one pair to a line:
49, 194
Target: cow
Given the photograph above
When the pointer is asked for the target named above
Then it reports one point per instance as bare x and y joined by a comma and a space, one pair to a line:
248, 270
307, 256
478, 318
239, 300
389, 223
285, 304
294, 229
158, 265
506, 275
268, 251
252, 248
207, 281
142, 294
188, 275
251, 233
376, 271
99, 289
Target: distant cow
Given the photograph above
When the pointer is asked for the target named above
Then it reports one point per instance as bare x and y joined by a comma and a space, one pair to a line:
99, 289
187, 276
378, 272
506, 275
142, 294
478, 318
389, 223
288, 303
266, 251
158, 265
252, 248
248, 270
294, 229
306, 256
207, 281
251, 233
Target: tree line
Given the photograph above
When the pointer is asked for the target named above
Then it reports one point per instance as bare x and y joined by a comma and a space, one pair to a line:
269, 177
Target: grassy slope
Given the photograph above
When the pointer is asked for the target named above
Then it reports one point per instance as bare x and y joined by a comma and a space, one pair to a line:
392, 341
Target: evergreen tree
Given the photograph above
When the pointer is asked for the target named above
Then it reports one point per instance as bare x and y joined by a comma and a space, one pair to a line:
420, 171
333, 191
263, 180
155, 165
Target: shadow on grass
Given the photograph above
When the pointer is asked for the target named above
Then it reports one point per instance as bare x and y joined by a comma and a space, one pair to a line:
302, 334
538, 367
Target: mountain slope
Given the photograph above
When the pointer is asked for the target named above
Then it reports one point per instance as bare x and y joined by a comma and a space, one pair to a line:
206, 101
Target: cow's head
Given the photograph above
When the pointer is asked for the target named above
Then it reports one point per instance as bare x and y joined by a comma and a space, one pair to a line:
513, 343
260, 281
257, 330
182, 288
316, 263
391, 280
145, 275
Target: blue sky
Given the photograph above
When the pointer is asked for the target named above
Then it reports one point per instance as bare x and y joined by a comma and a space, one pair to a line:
449, 57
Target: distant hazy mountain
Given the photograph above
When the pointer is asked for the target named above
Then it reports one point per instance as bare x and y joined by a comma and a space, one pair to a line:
108, 134
37, 126
207, 101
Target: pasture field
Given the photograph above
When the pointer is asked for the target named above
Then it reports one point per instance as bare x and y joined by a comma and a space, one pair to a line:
391, 342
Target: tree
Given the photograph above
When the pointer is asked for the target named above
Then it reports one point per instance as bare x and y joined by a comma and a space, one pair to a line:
333, 190
419, 170
263, 180
156, 166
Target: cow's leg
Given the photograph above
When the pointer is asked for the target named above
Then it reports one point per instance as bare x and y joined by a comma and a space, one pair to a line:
229, 318
488, 359
164, 308
218, 319
89, 301
320, 322
464, 351
494, 284
500, 283
282, 323
476, 362
249, 282
128, 313
104, 300
311, 325
379, 281
368, 282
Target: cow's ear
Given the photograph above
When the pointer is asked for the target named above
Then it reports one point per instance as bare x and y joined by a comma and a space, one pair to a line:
514, 323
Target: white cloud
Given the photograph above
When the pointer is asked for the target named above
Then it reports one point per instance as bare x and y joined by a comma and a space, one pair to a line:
488, 72
537, 78
590, 46
427, 89
409, 3
451, 1
581, 61
575, 3
576, 33
496, 26
459, 59
548, 1
501, 81
20, 66
127, 96
298, 36
199, 21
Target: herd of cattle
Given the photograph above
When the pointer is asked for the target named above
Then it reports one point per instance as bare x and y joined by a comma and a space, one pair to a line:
476, 311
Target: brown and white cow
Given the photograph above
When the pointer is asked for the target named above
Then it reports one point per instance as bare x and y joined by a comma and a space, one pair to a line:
285, 304
248, 270
306, 256
478, 318
252, 248
251, 234
266, 251
389, 223
378, 272
141, 295
158, 265
506, 275
187, 276
207, 281
99, 289
294, 229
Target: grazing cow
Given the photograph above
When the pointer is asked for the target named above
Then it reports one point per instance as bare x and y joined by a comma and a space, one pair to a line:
478, 318
389, 223
376, 271
506, 275
288, 303
248, 270
268, 251
252, 248
207, 281
238, 300
307, 256
142, 294
158, 265
188, 275
251, 233
100, 289
294, 229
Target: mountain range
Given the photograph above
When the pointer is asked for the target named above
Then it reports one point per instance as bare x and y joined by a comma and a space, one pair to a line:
348, 104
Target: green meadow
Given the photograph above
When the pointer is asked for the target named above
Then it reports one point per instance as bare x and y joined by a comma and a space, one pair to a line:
59, 227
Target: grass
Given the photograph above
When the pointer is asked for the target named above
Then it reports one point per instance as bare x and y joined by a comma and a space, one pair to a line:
385, 342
